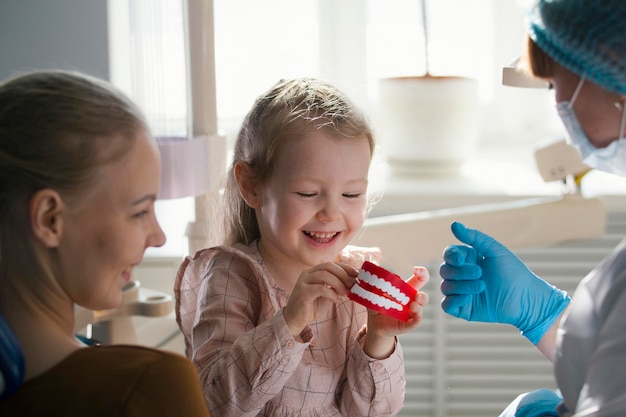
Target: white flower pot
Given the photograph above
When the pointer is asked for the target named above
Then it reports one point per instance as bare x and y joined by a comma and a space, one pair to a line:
427, 125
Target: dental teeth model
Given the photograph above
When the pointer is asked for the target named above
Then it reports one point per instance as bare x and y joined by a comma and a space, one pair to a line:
382, 291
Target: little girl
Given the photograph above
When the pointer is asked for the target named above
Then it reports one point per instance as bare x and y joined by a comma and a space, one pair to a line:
266, 317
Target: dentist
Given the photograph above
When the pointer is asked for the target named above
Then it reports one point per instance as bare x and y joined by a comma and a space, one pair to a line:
579, 47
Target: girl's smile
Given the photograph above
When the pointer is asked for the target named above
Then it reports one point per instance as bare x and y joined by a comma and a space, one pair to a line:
322, 237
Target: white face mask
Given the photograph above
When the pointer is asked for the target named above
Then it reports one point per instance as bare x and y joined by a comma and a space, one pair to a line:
611, 159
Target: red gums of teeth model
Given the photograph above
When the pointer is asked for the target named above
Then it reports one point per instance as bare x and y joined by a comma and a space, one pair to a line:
382, 291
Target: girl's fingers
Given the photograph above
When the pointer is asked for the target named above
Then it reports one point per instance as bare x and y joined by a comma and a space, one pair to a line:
326, 280
340, 277
421, 299
417, 309
419, 278
347, 269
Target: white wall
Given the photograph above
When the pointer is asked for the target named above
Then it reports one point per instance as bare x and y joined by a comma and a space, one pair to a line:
67, 34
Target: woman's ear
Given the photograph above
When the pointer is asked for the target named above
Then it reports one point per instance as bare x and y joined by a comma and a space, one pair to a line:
247, 185
46, 207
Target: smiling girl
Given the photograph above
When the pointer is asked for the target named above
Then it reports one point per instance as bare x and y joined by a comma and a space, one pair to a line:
266, 317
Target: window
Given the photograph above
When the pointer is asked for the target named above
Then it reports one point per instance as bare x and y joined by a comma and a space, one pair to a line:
351, 43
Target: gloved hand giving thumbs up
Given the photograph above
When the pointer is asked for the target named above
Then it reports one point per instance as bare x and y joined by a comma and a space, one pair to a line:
486, 282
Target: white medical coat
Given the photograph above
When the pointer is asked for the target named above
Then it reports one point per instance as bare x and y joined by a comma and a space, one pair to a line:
590, 360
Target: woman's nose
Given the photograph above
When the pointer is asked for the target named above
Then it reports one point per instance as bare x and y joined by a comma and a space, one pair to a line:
157, 237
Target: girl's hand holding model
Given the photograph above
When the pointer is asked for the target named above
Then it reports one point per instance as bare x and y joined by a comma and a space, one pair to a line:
331, 281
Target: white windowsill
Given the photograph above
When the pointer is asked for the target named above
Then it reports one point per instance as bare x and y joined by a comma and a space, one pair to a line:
495, 173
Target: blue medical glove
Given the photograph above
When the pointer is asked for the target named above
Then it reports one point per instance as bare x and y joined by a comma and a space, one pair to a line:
486, 282
540, 403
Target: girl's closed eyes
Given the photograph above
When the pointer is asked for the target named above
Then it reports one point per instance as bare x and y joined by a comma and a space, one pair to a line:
347, 195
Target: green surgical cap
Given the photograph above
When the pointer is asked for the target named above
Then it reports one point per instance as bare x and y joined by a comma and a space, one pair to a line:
588, 37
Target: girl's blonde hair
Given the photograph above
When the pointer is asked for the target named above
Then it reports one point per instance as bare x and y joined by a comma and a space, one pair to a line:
289, 110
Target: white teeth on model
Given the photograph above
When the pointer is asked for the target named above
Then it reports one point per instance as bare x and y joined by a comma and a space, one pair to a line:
384, 286
376, 299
